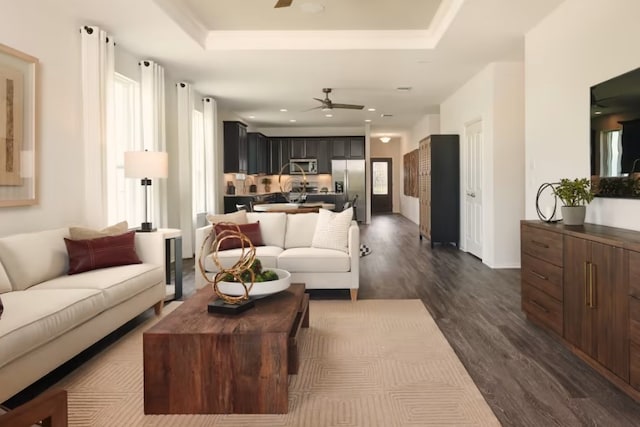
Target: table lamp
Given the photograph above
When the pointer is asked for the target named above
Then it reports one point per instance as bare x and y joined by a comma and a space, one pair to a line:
146, 165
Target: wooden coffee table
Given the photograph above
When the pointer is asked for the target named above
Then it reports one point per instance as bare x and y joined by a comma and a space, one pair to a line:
201, 363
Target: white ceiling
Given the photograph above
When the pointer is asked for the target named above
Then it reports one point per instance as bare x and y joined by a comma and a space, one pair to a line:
256, 60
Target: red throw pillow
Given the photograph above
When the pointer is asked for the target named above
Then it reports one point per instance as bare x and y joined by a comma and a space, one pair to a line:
251, 230
109, 251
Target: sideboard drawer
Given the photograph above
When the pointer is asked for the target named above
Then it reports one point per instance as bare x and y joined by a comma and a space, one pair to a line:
542, 244
542, 307
543, 275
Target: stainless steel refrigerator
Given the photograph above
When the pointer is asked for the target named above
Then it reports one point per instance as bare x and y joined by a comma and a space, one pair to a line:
349, 177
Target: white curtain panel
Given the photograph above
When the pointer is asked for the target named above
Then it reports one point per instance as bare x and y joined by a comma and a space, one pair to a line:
152, 103
210, 110
185, 187
97, 113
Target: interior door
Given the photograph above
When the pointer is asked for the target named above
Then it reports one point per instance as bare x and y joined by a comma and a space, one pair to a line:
473, 189
381, 185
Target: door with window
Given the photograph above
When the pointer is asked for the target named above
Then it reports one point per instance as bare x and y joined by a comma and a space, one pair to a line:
381, 185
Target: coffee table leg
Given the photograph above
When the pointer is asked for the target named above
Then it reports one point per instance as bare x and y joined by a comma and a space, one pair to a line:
305, 319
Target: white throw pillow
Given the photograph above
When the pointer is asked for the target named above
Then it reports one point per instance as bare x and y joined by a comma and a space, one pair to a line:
300, 230
332, 230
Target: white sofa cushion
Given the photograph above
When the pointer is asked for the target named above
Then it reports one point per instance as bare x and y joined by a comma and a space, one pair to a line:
272, 226
267, 255
34, 317
332, 230
316, 260
32, 258
300, 229
5, 284
117, 283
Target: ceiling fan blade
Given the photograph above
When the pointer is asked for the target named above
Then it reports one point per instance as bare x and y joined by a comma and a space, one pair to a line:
311, 109
348, 106
283, 3
318, 99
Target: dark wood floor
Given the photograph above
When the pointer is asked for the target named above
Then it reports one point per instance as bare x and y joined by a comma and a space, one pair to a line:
526, 375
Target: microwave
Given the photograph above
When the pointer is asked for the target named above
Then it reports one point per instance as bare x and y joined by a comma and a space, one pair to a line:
309, 166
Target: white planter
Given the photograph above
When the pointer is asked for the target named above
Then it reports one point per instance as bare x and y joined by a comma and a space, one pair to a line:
573, 215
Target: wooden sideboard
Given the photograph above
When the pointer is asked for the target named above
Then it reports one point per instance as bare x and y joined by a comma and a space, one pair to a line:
583, 283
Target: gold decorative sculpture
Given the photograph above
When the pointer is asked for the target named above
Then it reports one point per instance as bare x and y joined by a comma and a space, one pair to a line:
283, 183
244, 263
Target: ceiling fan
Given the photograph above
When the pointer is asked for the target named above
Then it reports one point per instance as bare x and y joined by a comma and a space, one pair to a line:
283, 3
327, 104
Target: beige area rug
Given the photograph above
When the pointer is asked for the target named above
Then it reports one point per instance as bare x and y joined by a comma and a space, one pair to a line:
370, 363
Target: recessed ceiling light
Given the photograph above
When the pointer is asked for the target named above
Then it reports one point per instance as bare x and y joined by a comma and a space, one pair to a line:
371, 109
292, 120
328, 115
598, 112
386, 115
403, 88
367, 120
284, 110
252, 117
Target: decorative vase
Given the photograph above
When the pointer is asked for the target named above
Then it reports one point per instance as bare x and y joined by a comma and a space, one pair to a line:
573, 215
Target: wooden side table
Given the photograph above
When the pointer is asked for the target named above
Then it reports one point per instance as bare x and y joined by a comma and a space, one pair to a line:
161, 255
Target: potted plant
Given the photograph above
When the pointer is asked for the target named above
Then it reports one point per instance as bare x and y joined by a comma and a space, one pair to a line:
267, 184
575, 195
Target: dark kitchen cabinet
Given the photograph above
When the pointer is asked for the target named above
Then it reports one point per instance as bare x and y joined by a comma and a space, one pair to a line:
258, 153
356, 148
323, 155
298, 148
235, 147
347, 147
304, 148
279, 155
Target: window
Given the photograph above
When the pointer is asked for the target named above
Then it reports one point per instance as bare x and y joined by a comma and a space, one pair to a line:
380, 178
125, 195
198, 168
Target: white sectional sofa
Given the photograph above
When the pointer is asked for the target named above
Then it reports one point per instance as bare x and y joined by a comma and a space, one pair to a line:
288, 245
49, 316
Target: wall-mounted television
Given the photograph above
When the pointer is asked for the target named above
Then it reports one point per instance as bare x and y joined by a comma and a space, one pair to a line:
615, 136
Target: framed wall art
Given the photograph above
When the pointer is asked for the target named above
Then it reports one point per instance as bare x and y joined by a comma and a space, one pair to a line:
18, 132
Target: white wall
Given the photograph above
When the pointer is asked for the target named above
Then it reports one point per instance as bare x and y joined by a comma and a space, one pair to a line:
428, 125
582, 43
53, 37
495, 96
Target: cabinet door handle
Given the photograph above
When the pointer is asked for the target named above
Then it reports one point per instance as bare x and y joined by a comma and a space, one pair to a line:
538, 275
592, 286
542, 245
538, 305
586, 283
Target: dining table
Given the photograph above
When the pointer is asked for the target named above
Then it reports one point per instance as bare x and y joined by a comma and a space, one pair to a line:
293, 207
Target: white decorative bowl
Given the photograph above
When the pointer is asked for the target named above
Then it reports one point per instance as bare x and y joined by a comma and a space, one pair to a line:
260, 289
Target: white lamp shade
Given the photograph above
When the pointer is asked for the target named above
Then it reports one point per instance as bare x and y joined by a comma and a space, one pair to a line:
146, 164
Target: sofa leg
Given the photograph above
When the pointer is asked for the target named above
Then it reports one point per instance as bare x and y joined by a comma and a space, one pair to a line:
354, 294
157, 307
